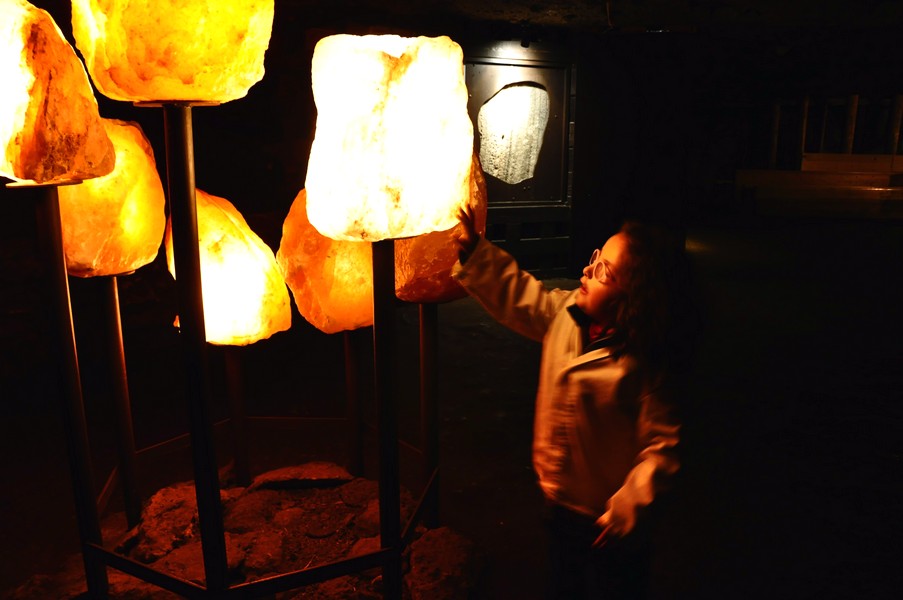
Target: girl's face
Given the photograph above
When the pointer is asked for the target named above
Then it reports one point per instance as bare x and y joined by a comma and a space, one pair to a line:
600, 292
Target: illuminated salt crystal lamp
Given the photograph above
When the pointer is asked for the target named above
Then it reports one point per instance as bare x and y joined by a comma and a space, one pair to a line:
392, 150
244, 294
170, 50
423, 264
50, 130
114, 224
331, 280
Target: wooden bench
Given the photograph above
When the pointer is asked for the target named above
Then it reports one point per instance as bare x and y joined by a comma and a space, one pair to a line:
856, 194
851, 163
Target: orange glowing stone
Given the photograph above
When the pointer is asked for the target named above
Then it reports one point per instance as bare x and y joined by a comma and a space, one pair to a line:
245, 299
202, 50
114, 224
50, 130
423, 264
392, 150
331, 280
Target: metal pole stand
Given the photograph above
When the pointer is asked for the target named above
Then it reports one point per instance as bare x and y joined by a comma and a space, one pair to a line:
238, 419
429, 410
180, 176
125, 435
353, 409
73, 408
383, 363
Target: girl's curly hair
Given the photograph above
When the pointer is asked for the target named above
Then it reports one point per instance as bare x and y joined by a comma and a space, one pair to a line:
659, 316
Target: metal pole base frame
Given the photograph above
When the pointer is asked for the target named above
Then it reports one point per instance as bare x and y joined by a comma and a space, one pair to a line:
72, 401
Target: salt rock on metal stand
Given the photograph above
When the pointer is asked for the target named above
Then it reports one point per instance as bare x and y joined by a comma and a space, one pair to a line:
114, 224
392, 150
244, 294
423, 263
331, 280
140, 50
50, 130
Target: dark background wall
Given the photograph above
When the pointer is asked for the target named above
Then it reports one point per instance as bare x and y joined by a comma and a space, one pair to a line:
794, 444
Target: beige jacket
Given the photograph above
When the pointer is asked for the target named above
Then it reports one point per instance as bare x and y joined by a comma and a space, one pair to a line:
604, 438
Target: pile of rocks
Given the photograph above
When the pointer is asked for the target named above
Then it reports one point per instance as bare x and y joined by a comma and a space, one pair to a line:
287, 519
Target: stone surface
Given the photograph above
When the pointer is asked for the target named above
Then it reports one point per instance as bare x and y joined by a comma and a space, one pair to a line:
359, 492
114, 224
168, 520
442, 565
512, 124
263, 552
206, 50
391, 152
246, 510
308, 475
50, 129
245, 299
367, 522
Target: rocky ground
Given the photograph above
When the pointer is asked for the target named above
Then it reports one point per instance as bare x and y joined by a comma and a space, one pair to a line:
287, 519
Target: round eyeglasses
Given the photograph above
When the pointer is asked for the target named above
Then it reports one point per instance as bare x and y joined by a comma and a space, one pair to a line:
599, 270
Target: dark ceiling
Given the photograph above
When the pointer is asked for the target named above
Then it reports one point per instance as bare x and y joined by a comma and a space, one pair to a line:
733, 16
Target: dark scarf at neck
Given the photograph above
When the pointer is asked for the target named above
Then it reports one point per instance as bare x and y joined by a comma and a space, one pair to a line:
594, 335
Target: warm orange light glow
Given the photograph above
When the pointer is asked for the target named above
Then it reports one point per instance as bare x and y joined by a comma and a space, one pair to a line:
423, 264
245, 299
114, 224
50, 130
332, 280
204, 50
393, 144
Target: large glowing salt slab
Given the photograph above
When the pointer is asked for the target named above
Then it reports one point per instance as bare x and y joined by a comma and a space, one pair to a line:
393, 143
50, 130
114, 224
331, 280
245, 299
202, 50
423, 264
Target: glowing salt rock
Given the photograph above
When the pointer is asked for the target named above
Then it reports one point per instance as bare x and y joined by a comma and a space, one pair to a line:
423, 264
392, 150
114, 224
50, 130
331, 280
203, 50
245, 299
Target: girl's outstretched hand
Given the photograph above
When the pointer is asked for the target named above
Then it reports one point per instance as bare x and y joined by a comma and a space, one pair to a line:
468, 238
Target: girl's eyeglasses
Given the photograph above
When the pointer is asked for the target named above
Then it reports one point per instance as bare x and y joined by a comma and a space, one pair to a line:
599, 270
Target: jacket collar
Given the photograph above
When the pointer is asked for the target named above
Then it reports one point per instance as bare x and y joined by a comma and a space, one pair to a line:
614, 341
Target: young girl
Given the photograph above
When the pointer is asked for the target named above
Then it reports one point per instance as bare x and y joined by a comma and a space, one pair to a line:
605, 431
